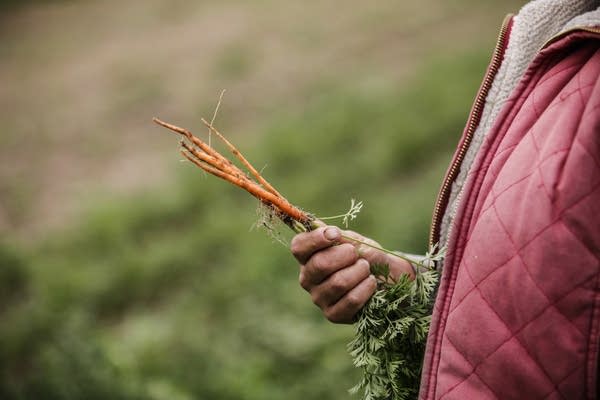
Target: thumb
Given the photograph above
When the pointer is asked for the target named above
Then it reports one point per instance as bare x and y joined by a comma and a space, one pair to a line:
305, 244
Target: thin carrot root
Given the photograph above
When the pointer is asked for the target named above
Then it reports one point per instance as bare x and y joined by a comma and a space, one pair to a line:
242, 159
210, 160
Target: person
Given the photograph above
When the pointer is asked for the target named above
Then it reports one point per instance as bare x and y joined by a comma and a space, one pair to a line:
517, 312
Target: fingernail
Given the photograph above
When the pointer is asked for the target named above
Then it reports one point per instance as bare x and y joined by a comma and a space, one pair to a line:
360, 250
331, 234
373, 281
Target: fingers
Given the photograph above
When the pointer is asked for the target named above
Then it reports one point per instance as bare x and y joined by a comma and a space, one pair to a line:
325, 262
339, 283
335, 269
344, 310
304, 245
365, 249
398, 267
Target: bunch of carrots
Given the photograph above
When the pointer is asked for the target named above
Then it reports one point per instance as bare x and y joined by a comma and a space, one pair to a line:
388, 336
211, 161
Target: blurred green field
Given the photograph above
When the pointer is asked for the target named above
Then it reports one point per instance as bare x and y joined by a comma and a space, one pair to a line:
163, 290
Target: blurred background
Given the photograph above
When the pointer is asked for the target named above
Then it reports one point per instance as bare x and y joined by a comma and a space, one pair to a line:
127, 274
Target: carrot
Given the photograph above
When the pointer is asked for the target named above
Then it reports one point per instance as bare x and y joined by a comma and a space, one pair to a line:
280, 203
196, 141
243, 159
211, 161
214, 162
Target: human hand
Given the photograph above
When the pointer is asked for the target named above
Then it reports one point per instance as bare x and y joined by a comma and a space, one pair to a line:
335, 270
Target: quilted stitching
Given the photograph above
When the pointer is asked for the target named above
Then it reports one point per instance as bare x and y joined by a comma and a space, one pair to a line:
511, 331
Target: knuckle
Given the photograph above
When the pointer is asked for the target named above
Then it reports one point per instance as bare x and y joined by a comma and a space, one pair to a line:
315, 298
347, 248
353, 301
304, 282
366, 251
318, 263
332, 315
338, 283
296, 246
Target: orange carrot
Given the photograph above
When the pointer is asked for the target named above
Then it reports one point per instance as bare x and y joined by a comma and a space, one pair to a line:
211, 161
266, 197
196, 141
243, 159
216, 163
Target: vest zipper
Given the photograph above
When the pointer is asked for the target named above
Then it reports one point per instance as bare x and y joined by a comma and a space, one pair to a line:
475, 118
472, 124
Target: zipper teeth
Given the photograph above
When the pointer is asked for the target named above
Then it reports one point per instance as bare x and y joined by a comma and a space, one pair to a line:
471, 127
475, 119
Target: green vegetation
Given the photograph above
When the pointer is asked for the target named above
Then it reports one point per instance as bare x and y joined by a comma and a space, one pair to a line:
168, 295
391, 333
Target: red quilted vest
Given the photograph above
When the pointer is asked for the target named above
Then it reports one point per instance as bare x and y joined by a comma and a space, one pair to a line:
517, 315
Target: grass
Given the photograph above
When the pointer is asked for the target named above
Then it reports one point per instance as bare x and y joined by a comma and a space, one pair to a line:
167, 295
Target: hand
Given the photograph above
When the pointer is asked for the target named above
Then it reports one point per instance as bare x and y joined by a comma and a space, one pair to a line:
336, 272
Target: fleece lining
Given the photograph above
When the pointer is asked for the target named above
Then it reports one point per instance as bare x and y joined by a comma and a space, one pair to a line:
536, 23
